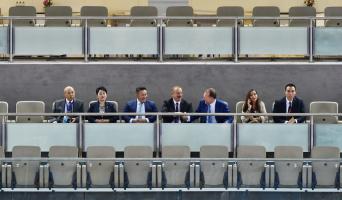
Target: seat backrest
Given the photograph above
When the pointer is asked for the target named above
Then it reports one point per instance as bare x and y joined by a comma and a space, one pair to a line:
250, 172
30, 107
58, 11
2, 155
22, 11
94, 11
137, 172
266, 11
288, 171
116, 105
3, 108
229, 11
325, 172
25, 172
324, 107
63, 172
176, 172
100, 172
213, 172
179, 11
333, 12
301, 11
141, 11
238, 109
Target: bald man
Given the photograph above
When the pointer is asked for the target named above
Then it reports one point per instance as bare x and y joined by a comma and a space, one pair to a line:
68, 105
178, 105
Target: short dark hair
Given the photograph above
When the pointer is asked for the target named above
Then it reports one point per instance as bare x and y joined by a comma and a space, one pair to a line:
138, 89
211, 92
100, 88
290, 85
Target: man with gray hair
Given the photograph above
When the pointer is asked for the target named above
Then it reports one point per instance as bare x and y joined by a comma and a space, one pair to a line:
68, 105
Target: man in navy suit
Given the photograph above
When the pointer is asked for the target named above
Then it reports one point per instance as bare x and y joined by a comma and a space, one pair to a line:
67, 105
210, 104
289, 104
140, 105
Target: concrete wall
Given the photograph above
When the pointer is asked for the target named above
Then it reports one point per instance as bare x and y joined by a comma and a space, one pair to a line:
46, 81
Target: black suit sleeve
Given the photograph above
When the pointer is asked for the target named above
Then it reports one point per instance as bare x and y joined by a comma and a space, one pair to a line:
165, 108
301, 107
277, 109
91, 109
113, 119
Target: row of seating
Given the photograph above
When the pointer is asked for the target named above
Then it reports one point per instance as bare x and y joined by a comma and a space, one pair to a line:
186, 11
39, 107
210, 172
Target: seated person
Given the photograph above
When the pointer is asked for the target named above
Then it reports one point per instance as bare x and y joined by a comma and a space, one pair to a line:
178, 105
68, 105
102, 106
210, 104
140, 105
253, 104
289, 104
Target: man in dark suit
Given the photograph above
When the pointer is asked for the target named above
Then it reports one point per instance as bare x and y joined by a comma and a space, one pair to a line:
140, 105
68, 105
210, 104
178, 105
289, 104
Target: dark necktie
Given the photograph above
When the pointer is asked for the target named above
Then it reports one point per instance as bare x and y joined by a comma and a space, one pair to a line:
209, 117
289, 110
177, 110
69, 107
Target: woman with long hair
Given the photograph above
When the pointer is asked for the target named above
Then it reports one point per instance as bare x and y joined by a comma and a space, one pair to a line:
253, 104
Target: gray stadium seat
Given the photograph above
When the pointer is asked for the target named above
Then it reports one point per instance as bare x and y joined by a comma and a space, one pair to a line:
266, 11
143, 11
324, 107
94, 11
63, 173
25, 173
137, 173
229, 11
214, 172
301, 11
179, 11
100, 173
23, 11
333, 12
176, 173
30, 107
250, 173
58, 11
238, 109
3, 108
2, 173
116, 105
325, 173
288, 173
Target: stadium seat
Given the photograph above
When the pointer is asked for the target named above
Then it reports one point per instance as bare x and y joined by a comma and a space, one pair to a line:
251, 173
179, 11
30, 107
2, 169
176, 173
229, 11
3, 108
288, 173
324, 107
325, 174
23, 11
25, 173
63, 173
238, 109
266, 11
214, 173
333, 12
301, 11
94, 11
58, 11
138, 173
144, 11
100, 173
